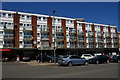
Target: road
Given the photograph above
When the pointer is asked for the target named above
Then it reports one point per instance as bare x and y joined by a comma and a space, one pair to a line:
18, 70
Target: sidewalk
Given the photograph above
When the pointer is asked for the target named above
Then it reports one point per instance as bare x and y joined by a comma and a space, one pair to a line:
35, 63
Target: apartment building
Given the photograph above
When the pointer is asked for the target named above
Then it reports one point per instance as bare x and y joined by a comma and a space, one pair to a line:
27, 31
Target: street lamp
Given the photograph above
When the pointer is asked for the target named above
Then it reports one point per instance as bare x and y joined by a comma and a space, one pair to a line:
54, 36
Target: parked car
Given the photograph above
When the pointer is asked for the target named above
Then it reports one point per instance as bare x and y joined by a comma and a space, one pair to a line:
115, 58
26, 58
72, 60
87, 56
99, 59
45, 58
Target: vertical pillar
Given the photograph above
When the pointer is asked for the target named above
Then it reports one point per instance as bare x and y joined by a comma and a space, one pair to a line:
117, 36
63, 23
75, 26
49, 25
83, 27
109, 31
93, 30
16, 29
101, 29
34, 28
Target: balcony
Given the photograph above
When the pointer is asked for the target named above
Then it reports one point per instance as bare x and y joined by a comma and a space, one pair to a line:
100, 46
59, 31
45, 30
73, 46
44, 37
114, 35
72, 38
91, 46
80, 40
60, 45
28, 37
80, 34
81, 46
26, 28
8, 27
72, 31
8, 36
116, 46
91, 34
28, 45
108, 40
99, 34
108, 46
91, 40
8, 45
60, 37
107, 35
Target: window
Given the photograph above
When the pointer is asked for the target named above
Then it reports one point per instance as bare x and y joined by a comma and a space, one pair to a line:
38, 34
44, 19
1, 32
3, 14
74, 57
10, 16
28, 17
20, 42
22, 16
38, 18
20, 33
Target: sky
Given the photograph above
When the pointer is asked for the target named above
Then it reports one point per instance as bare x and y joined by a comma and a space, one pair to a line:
93, 12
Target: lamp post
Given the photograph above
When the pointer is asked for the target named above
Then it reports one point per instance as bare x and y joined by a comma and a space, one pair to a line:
54, 36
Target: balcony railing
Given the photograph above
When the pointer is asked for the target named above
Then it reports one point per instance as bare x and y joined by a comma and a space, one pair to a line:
59, 30
8, 45
27, 28
59, 37
91, 34
72, 31
73, 46
8, 36
44, 37
28, 37
91, 40
8, 27
116, 46
81, 33
60, 45
107, 34
99, 34
91, 46
45, 30
81, 46
28, 45
80, 40
108, 46
72, 38
100, 46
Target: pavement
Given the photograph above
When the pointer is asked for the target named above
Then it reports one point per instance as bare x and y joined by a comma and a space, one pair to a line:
35, 63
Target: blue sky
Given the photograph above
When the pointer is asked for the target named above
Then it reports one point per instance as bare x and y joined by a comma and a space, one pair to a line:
95, 12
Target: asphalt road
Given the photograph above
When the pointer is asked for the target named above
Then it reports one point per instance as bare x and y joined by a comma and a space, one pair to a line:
18, 70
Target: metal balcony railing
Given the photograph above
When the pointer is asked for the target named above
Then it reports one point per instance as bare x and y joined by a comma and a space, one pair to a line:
8, 45
60, 30
100, 46
81, 46
72, 38
91, 46
8, 27
27, 28
8, 36
60, 45
59, 37
44, 37
27, 36
73, 46
108, 46
28, 45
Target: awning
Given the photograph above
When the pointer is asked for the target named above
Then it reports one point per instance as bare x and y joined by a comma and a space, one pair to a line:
5, 49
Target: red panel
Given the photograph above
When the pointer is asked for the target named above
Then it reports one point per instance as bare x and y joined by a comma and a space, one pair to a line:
5, 49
